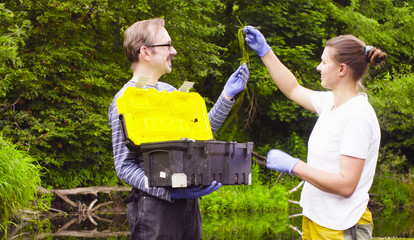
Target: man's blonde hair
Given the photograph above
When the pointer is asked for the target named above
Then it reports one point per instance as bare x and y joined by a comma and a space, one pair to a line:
140, 34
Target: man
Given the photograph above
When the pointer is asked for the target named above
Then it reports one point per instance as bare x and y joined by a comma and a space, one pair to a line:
159, 212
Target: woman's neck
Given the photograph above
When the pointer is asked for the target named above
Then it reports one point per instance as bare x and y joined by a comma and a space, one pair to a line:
343, 95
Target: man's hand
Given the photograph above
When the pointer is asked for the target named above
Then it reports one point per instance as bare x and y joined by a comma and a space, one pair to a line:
281, 161
256, 41
194, 192
237, 81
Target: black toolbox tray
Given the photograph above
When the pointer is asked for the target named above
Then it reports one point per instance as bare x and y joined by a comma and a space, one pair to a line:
186, 163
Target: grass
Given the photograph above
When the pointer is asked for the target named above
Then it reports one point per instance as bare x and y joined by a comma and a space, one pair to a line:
19, 179
257, 197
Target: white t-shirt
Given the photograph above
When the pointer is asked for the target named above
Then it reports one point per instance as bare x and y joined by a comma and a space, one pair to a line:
353, 130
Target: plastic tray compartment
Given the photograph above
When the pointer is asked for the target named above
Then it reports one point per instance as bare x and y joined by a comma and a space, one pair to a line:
148, 115
191, 163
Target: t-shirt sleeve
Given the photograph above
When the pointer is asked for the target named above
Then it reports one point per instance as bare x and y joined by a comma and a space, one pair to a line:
321, 100
356, 136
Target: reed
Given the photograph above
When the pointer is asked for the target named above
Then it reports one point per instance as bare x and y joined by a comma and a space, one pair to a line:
19, 179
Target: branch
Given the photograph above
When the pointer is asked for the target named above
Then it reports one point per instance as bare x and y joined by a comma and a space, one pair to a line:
295, 229
260, 162
296, 188
92, 220
91, 205
293, 201
66, 199
259, 156
101, 205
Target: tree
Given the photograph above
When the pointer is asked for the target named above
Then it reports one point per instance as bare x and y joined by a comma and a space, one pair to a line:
63, 62
72, 66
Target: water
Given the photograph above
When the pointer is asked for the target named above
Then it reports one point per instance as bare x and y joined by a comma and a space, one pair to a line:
264, 226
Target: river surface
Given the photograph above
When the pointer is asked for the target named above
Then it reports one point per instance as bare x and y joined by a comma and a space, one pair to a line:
263, 226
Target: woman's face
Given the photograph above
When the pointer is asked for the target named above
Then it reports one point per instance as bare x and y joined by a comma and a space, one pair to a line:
329, 69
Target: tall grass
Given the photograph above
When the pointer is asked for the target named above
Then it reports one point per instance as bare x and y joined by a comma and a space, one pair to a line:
257, 211
258, 197
19, 179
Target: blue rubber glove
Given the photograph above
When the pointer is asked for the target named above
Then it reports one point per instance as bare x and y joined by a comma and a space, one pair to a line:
281, 161
194, 192
237, 81
256, 41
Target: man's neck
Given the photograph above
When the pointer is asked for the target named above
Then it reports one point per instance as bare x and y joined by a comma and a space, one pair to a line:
143, 71
150, 80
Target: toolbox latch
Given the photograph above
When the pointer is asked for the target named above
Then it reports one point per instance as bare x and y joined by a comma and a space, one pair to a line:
186, 86
142, 82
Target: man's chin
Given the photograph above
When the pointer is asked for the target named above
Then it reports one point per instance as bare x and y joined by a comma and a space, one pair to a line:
169, 69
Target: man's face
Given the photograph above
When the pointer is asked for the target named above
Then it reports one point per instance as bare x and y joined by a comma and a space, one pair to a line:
162, 55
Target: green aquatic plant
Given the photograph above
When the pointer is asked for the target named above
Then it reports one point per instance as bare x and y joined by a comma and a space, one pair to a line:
242, 44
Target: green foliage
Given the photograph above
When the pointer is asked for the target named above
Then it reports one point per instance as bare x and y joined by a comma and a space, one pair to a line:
72, 65
297, 31
191, 27
259, 197
392, 191
13, 31
392, 99
62, 63
19, 179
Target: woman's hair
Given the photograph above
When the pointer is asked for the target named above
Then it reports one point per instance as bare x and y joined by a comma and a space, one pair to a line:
352, 51
140, 34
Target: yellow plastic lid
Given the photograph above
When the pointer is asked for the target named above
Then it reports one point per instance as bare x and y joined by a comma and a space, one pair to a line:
148, 115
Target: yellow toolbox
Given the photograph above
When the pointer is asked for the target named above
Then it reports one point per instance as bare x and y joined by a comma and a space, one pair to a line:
172, 131
148, 115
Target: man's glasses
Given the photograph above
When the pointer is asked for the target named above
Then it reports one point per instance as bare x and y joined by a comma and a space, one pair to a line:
162, 45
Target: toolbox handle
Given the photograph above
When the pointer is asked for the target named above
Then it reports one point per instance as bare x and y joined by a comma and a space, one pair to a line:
131, 146
123, 127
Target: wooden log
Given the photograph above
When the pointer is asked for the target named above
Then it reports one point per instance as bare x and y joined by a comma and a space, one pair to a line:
85, 234
63, 194
92, 190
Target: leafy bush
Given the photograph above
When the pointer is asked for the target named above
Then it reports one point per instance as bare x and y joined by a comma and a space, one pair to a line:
392, 98
391, 190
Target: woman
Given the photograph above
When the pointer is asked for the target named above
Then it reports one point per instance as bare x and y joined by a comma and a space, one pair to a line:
343, 146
